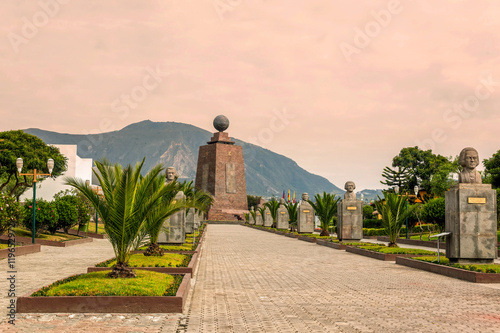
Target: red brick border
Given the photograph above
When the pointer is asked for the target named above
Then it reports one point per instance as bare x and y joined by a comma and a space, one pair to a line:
20, 250
28, 240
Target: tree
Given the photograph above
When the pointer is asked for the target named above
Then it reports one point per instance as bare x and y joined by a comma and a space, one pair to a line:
398, 177
129, 200
492, 170
420, 165
325, 207
46, 216
273, 206
442, 180
67, 212
434, 212
394, 211
253, 200
34, 153
368, 212
292, 213
11, 213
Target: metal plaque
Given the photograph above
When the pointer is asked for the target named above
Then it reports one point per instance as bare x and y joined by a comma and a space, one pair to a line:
476, 200
352, 208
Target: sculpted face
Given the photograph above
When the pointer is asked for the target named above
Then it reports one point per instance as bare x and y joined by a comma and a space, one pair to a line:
282, 201
471, 159
171, 173
349, 186
305, 196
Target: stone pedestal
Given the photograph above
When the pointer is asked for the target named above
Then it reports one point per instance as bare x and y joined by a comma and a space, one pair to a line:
268, 219
175, 226
471, 217
305, 218
350, 219
282, 218
197, 217
258, 219
221, 172
190, 221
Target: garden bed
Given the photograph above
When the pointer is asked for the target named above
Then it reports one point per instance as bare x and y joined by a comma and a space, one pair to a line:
67, 243
333, 245
307, 239
457, 273
88, 234
107, 304
415, 242
20, 250
178, 270
378, 255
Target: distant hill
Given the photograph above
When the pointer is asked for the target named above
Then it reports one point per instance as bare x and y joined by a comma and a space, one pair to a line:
176, 144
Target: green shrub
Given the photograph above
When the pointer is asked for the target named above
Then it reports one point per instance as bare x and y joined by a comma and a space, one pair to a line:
434, 212
368, 212
67, 211
374, 232
10, 213
372, 223
46, 216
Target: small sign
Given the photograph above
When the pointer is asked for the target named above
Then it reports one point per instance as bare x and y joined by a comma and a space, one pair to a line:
352, 208
283, 213
268, 213
476, 200
306, 211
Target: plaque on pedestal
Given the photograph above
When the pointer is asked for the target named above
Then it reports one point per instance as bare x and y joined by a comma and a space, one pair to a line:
305, 216
282, 216
268, 219
350, 219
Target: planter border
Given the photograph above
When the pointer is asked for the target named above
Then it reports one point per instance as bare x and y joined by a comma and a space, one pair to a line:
169, 270
307, 239
106, 304
416, 242
28, 240
378, 255
453, 272
337, 246
20, 250
88, 234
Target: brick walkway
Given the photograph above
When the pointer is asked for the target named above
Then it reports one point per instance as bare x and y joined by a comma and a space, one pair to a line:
253, 281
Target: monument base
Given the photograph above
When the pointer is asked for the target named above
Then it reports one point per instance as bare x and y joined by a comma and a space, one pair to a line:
226, 215
471, 218
350, 220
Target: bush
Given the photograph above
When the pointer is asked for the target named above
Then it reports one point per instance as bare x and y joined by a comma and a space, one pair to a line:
10, 213
372, 223
67, 211
46, 216
368, 212
434, 212
374, 232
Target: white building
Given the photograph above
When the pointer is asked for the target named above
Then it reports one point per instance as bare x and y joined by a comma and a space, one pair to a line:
77, 167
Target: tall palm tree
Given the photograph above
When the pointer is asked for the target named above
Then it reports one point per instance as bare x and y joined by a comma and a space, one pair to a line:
325, 207
273, 206
292, 213
394, 211
129, 199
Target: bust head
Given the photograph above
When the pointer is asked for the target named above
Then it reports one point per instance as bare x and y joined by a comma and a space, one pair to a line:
171, 173
282, 201
305, 196
469, 158
252, 208
349, 186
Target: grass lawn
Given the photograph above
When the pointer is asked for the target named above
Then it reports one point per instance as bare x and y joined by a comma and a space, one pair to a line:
492, 268
140, 260
396, 250
4, 246
100, 228
58, 236
425, 237
316, 236
98, 284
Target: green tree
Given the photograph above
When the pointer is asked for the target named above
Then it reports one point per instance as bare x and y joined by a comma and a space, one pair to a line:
11, 213
368, 212
67, 211
253, 200
273, 206
492, 170
292, 209
441, 181
399, 177
34, 153
434, 211
128, 201
394, 211
46, 217
325, 207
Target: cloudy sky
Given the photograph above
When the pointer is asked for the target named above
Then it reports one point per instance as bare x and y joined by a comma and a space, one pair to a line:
338, 86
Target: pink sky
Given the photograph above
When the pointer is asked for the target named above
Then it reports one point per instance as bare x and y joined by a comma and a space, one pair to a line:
352, 102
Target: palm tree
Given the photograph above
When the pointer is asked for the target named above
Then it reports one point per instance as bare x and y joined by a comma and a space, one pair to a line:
292, 213
262, 211
129, 199
273, 206
394, 212
325, 207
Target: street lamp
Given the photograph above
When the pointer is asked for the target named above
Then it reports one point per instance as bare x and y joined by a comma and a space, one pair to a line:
35, 174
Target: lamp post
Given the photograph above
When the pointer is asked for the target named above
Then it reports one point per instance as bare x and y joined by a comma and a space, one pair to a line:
35, 174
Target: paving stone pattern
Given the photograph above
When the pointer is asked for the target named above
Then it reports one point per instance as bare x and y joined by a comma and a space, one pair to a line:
253, 281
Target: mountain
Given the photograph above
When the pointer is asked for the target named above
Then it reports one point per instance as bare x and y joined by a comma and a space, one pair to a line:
370, 194
176, 144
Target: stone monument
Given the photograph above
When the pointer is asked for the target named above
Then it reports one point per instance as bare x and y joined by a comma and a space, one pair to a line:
175, 225
471, 215
221, 172
251, 219
268, 219
350, 215
258, 217
305, 216
190, 216
282, 218
170, 175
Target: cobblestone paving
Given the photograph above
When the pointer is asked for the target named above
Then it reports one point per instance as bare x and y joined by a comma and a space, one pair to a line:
253, 281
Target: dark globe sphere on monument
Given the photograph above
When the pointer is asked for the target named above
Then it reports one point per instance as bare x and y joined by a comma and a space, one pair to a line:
221, 123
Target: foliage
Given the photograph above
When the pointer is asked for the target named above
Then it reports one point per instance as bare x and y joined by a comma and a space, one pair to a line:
97, 284
421, 165
374, 231
397, 250
292, 209
325, 207
34, 153
253, 200
273, 206
492, 170
11, 213
167, 260
46, 216
368, 212
399, 177
482, 268
372, 223
394, 212
434, 212
67, 211
442, 180
129, 200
